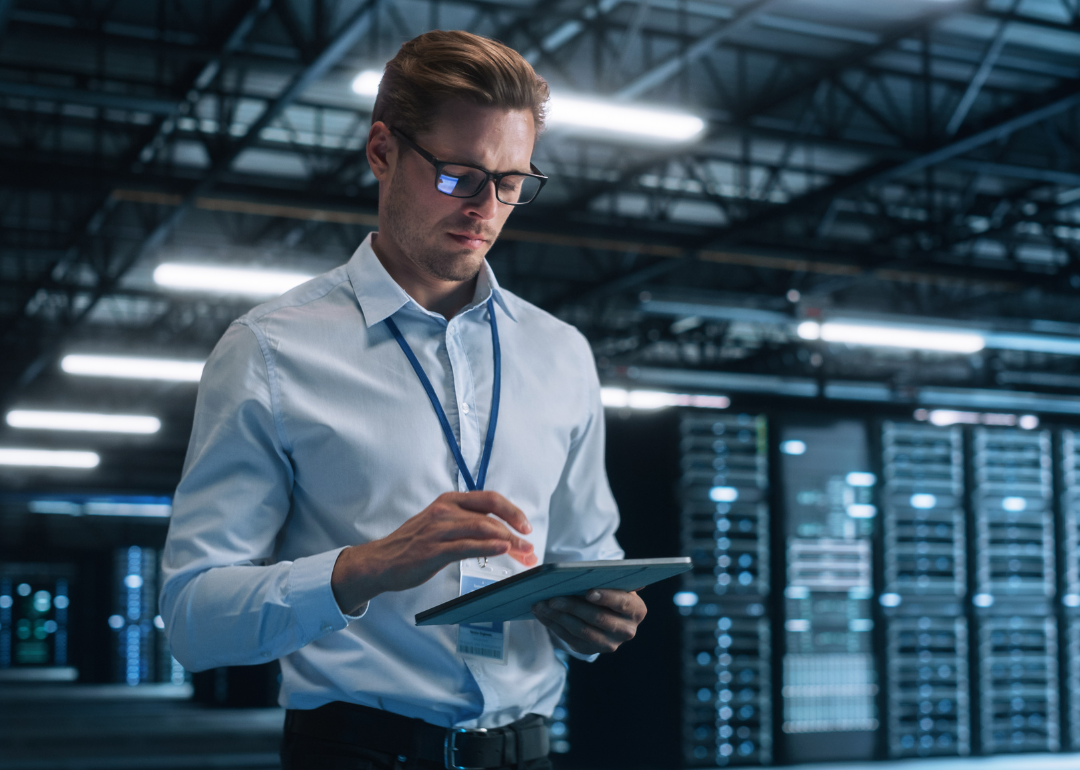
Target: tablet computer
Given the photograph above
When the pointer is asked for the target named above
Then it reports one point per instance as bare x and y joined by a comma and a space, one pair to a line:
512, 598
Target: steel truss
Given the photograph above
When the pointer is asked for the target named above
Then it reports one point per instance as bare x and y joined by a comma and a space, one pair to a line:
928, 166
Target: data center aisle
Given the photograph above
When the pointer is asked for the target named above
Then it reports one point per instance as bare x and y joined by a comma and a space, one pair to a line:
116, 727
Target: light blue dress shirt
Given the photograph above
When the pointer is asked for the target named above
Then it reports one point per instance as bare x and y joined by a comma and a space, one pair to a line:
312, 433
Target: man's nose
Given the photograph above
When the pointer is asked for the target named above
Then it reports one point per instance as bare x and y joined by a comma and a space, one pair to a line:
484, 204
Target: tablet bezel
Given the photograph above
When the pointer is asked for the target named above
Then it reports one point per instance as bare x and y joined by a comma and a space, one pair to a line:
427, 617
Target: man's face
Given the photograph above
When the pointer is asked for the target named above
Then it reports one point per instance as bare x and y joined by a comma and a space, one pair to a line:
447, 238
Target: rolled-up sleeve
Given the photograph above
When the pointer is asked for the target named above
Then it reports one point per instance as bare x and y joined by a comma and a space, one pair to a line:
222, 600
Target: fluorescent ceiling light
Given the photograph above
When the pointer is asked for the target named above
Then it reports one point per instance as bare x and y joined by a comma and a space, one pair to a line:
48, 458
619, 398
946, 417
621, 120
83, 421
226, 280
891, 335
599, 117
793, 447
133, 506
133, 368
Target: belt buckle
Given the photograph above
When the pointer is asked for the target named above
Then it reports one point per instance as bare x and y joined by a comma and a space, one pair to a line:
450, 746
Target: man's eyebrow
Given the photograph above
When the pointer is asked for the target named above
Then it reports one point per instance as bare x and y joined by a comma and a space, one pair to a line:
471, 162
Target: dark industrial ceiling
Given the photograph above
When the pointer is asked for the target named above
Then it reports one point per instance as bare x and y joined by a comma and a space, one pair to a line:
919, 159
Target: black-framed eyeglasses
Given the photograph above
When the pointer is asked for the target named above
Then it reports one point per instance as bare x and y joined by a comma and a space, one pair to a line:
462, 180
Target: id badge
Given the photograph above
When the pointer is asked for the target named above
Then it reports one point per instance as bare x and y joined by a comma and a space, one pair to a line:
482, 640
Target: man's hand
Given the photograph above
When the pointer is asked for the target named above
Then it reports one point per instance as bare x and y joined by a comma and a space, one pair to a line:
454, 527
600, 622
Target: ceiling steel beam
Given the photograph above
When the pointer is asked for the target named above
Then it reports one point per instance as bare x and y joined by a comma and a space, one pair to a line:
103, 99
743, 116
1055, 104
672, 66
348, 35
990, 58
248, 15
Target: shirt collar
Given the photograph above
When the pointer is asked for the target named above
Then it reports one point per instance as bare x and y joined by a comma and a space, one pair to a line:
380, 296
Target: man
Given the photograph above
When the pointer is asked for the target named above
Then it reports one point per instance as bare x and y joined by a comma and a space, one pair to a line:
328, 492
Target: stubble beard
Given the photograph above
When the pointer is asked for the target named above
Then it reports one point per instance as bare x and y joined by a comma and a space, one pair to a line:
411, 237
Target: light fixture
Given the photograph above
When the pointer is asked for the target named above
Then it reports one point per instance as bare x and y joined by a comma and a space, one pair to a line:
945, 417
133, 368
585, 115
793, 447
1014, 504
621, 120
130, 506
226, 280
893, 335
620, 398
83, 421
48, 458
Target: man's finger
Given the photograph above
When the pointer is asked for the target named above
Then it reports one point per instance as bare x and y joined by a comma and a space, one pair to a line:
470, 526
581, 634
610, 624
487, 501
456, 550
624, 602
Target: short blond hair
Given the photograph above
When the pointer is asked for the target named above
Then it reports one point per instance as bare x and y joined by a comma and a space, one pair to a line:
437, 67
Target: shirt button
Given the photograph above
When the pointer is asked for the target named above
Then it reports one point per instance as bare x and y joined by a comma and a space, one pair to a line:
464, 408
265, 654
327, 628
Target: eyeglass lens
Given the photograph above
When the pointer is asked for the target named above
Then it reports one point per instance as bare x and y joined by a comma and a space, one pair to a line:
465, 182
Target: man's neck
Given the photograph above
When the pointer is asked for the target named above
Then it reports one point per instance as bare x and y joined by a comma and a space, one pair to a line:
446, 298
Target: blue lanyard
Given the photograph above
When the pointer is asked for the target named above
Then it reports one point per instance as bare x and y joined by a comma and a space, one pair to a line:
496, 387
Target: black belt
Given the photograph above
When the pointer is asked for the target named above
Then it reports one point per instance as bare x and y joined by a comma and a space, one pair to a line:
452, 747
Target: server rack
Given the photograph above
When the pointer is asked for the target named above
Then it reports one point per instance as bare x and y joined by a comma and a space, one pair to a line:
1015, 584
727, 688
925, 576
1072, 680
35, 602
142, 652
1018, 661
928, 685
1070, 584
829, 684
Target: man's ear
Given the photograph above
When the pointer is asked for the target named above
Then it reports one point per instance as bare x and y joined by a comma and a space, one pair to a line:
381, 150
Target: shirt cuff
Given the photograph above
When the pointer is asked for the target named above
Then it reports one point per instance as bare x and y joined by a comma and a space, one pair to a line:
562, 645
312, 597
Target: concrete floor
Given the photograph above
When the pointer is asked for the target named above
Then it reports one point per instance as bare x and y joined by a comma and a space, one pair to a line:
114, 727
